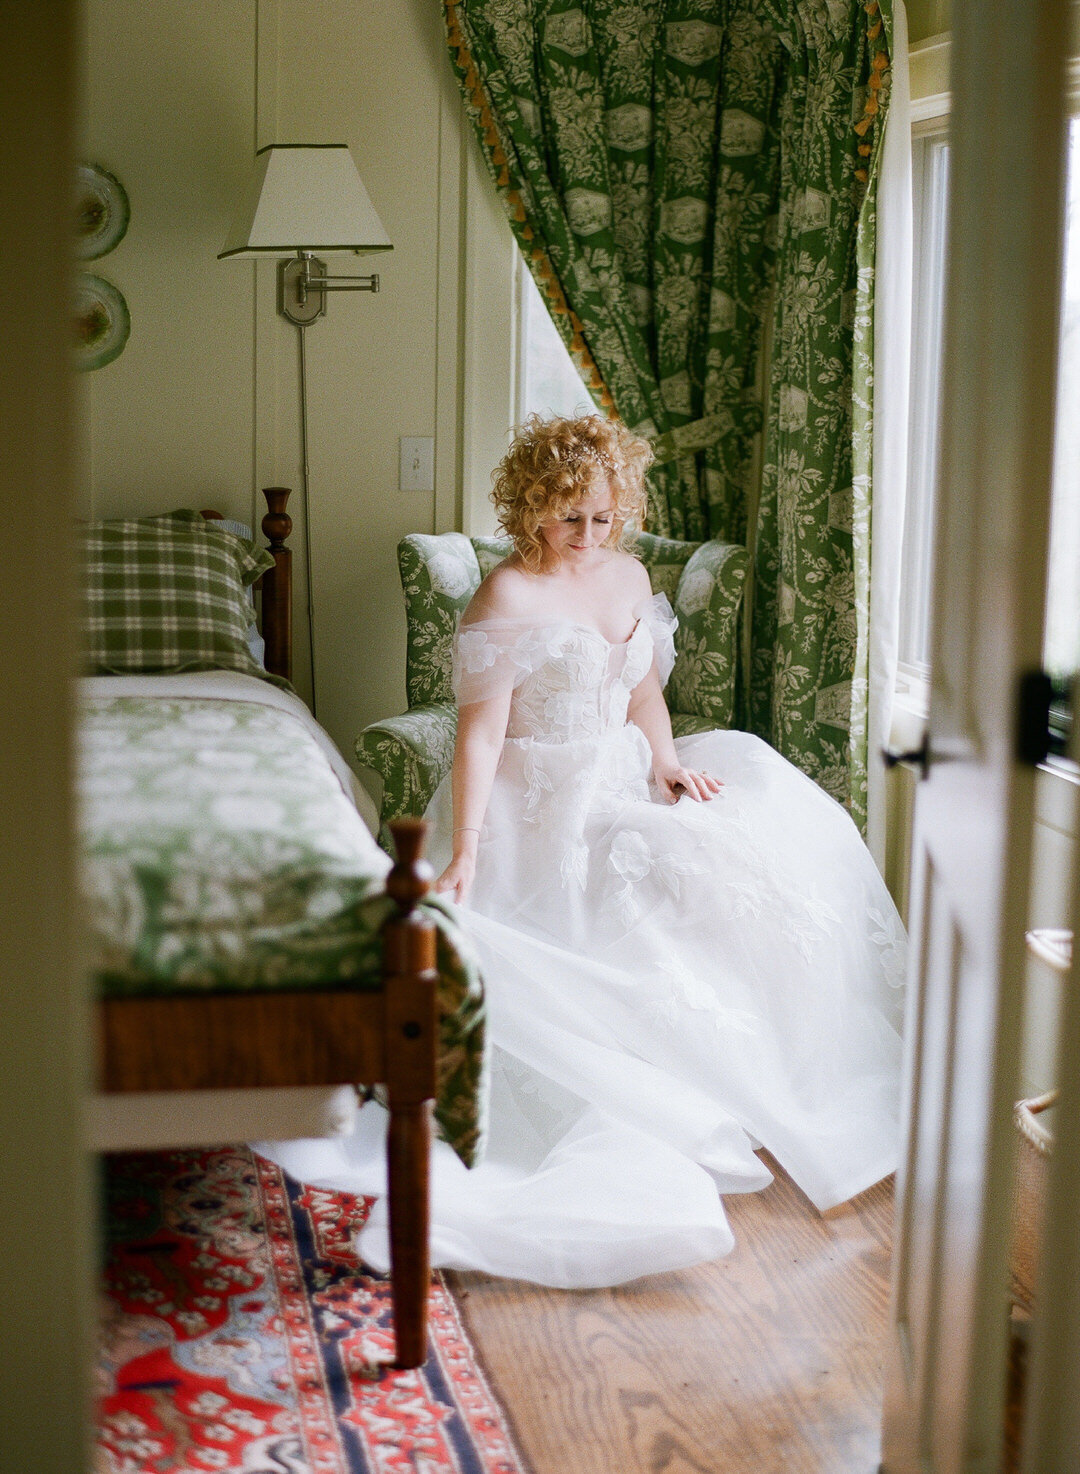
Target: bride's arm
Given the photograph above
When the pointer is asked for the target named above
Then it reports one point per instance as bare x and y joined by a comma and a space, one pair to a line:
484, 694
480, 735
648, 710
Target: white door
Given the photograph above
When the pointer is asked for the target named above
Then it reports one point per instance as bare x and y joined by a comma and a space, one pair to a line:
974, 813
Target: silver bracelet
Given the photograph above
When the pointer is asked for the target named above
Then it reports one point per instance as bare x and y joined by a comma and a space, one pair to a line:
465, 829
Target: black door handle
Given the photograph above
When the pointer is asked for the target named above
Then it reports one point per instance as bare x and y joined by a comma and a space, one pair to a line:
917, 757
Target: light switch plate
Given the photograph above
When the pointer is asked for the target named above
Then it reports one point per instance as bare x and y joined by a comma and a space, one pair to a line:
417, 466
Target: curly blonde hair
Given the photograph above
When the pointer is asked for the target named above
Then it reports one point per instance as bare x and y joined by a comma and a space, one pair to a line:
553, 463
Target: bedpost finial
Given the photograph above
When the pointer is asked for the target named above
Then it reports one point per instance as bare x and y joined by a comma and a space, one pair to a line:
277, 524
410, 879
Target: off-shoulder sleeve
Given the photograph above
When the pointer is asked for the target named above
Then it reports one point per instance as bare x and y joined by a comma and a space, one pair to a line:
659, 616
490, 656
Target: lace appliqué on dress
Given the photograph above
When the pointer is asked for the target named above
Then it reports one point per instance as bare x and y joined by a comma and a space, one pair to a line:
681, 989
490, 657
659, 618
633, 862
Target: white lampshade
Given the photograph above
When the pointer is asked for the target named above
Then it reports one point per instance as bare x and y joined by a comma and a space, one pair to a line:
305, 197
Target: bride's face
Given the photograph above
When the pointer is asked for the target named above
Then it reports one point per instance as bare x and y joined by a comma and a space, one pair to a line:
584, 529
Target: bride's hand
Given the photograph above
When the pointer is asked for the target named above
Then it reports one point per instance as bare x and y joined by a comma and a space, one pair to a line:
456, 880
673, 781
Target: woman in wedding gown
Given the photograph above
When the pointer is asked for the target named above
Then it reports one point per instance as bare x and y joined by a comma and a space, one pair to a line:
687, 949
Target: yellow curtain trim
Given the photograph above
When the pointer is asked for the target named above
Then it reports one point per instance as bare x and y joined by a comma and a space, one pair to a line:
548, 281
879, 65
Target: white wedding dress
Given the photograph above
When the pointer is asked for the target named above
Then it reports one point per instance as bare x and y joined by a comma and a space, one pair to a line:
669, 986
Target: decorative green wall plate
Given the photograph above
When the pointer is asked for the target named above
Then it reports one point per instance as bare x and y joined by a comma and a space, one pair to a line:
102, 212
102, 322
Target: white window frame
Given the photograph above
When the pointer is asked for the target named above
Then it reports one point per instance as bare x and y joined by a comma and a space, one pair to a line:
930, 107
482, 361
913, 667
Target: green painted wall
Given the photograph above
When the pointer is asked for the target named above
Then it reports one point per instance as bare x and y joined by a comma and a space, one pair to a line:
927, 18
203, 405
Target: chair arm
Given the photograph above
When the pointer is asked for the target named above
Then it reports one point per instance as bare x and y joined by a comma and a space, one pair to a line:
411, 754
689, 723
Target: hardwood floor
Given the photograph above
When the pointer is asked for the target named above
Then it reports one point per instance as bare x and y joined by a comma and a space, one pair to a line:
767, 1362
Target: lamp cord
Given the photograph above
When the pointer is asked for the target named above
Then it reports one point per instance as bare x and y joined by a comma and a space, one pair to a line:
307, 517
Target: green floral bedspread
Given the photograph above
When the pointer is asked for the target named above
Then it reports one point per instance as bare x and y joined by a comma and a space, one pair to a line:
220, 853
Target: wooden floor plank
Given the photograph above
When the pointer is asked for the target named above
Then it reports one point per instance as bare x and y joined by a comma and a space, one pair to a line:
767, 1362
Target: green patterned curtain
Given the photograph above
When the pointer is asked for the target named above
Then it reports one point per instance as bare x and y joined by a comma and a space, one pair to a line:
808, 681
673, 170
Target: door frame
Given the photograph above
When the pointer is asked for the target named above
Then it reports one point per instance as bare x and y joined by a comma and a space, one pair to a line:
45, 1186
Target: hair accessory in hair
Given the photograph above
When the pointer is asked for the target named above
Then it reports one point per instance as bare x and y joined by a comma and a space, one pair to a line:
582, 453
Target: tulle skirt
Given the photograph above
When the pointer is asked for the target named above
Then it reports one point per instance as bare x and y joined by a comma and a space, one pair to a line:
669, 987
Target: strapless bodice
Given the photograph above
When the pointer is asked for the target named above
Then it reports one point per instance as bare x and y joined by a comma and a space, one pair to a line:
568, 682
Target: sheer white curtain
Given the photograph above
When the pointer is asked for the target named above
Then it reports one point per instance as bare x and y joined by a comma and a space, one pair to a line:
892, 369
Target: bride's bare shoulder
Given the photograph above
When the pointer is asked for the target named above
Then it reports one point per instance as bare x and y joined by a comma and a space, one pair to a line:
629, 571
503, 594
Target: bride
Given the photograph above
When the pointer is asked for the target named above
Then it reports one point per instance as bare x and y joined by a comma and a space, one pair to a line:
687, 949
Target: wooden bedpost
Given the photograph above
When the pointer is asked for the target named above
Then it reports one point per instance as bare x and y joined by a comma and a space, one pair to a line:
277, 585
410, 984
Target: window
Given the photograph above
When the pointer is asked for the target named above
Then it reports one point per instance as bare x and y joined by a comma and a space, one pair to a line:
547, 381
930, 181
1061, 641
1061, 650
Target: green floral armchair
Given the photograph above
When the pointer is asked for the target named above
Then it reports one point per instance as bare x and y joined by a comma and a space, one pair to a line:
439, 574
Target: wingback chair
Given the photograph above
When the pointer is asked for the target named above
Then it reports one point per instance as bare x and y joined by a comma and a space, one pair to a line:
440, 573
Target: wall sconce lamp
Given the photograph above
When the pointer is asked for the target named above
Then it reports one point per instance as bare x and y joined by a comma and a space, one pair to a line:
306, 198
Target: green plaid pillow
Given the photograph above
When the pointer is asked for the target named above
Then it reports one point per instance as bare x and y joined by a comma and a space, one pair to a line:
167, 594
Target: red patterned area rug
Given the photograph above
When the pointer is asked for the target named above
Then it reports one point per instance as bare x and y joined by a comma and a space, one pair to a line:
241, 1333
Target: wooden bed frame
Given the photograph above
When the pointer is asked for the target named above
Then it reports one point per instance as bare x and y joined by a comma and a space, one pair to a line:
384, 1036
